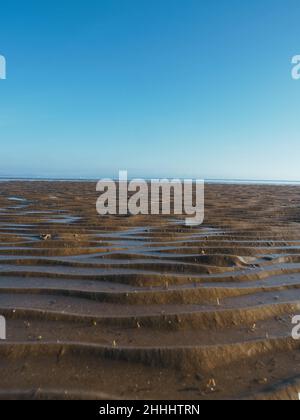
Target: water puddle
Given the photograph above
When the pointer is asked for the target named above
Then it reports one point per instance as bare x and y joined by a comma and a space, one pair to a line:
64, 220
19, 199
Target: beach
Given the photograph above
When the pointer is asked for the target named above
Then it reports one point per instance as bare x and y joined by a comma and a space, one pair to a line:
145, 307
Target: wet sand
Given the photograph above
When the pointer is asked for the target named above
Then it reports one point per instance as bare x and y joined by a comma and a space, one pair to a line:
144, 307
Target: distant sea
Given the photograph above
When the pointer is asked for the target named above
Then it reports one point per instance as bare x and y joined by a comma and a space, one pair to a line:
207, 181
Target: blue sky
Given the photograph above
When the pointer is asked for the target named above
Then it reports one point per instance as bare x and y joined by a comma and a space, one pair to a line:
197, 88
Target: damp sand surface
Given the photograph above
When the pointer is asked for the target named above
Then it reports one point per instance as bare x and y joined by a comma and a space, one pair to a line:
144, 307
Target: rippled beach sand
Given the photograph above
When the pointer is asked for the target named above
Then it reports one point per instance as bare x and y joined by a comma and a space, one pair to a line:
144, 307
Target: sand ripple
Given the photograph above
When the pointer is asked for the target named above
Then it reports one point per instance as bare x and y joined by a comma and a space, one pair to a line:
144, 307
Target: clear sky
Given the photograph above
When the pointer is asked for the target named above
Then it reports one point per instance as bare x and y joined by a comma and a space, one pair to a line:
197, 88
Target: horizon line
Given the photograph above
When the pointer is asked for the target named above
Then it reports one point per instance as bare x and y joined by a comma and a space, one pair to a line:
207, 180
